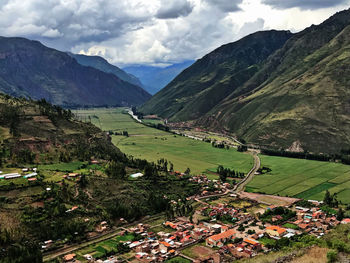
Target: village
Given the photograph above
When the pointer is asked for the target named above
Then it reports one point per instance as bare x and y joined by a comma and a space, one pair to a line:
225, 226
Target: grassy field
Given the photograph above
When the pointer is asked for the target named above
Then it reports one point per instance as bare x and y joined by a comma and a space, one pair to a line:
99, 249
302, 178
152, 144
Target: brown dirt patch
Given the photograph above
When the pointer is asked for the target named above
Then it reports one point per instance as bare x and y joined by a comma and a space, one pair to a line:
313, 255
269, 199
202, 252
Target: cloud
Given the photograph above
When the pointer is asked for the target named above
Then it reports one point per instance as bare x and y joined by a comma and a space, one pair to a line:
174, 9
303, 4
226, 5
154, 32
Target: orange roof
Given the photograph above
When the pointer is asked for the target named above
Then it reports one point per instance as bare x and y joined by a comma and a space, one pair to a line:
303, 226
74, 207
279, 230
251, 241
223, 235
165, 243
346, 220
172, 225
69, 257
172, 251
32, 179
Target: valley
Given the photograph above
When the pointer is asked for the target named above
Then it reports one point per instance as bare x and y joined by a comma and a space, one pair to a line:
298, 178
175, 131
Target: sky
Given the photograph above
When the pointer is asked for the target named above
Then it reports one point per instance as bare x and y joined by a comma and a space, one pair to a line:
155, 32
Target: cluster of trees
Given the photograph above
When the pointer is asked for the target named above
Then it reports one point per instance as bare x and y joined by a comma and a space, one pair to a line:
285, 213
162, 165
242, 148
54, 112
181, 207
10, 117
137, 113
330, 200
227, 172
116, 170
220, 145
344, 156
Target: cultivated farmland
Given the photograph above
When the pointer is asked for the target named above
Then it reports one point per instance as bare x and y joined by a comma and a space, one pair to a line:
302, 178
152, 144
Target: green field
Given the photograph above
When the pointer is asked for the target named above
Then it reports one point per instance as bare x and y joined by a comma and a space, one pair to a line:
289, 177
302, 178
152, 144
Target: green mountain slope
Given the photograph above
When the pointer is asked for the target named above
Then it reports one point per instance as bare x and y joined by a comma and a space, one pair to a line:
30, 69
298, 97
103, 65
200, 87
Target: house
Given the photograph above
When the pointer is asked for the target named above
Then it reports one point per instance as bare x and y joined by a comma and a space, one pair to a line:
220, 239
275, 231
32, 179
253, 243
345, 221
69, 257
30, 175
164, 246
11, 175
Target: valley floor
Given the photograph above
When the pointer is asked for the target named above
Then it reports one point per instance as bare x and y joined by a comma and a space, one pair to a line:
288, 177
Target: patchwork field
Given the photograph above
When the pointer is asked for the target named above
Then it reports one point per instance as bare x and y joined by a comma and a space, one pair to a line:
289, 177
152, 144
302, 178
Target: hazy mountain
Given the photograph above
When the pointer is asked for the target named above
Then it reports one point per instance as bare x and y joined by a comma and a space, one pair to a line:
156, 78
298, 95
103, 65
30, 69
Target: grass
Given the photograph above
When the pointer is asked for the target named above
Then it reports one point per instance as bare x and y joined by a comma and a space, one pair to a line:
178, 260
302, 178
152, 144
100, 248
63, 167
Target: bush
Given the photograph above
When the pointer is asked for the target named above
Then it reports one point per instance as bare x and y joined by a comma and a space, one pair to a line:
332, 256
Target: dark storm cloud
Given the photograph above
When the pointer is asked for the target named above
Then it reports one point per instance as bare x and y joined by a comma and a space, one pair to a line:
174, 9
226, 5
303, 4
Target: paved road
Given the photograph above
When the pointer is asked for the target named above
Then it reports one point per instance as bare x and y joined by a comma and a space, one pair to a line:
240, 186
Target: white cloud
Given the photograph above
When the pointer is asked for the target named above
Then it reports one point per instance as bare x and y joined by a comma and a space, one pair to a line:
156, 32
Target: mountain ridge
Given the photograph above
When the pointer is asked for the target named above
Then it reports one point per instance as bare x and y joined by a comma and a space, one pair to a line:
102, 64
299, 94
30, 69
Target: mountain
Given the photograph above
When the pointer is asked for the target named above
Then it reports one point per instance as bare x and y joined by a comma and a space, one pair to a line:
156, 78
211, 79
297, 97
103, 65
33, 70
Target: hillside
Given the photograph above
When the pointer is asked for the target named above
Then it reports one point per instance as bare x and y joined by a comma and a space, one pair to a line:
37, 132
30, 69
298, 95
211, 79
103, 65
156, 78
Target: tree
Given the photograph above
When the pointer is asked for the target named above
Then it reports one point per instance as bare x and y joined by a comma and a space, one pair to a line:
327, 198
340, 214
223, 177
116, 170
188, 171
